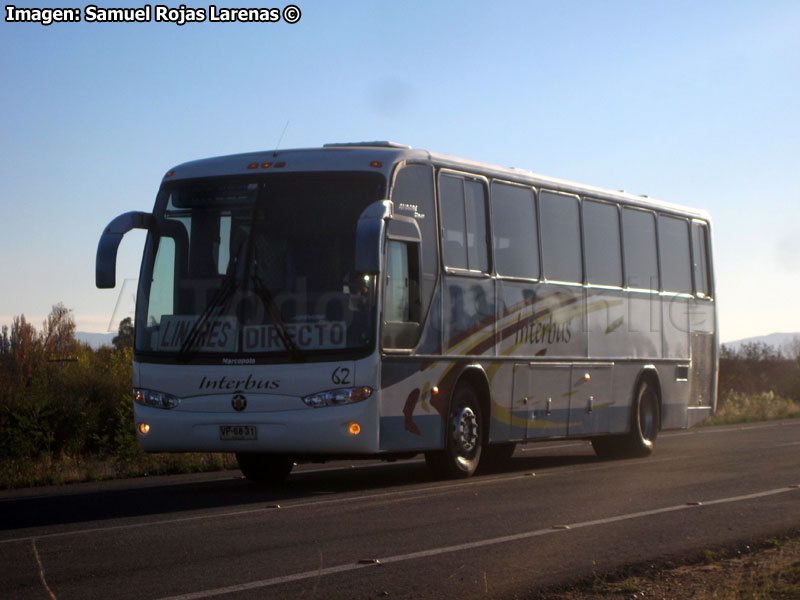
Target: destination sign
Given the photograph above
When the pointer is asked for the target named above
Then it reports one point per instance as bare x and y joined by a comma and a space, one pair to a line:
321, 335
216, 334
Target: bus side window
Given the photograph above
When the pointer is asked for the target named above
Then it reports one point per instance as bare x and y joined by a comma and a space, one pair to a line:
401, 306
475, 208
702, 274
602, 246
561, 237
673, 239
641, 256
516, 248
412, 195
451, 198
463, 219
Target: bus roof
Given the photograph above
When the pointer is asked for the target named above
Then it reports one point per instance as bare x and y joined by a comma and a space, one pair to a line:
383, 156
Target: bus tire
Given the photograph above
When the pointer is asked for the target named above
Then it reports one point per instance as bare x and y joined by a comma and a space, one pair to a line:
639, 442
263, 468
464, 436
646, 420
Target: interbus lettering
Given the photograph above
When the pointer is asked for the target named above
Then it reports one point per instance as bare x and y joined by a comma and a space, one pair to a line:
251, 383
542, 332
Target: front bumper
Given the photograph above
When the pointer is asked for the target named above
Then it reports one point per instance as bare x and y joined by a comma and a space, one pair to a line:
318, 431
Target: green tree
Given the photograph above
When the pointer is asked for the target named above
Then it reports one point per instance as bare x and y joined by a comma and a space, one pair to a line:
24, 350
124, 337
5, 341
58, 334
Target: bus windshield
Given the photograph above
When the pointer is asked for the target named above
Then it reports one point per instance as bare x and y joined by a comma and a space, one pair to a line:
258, 266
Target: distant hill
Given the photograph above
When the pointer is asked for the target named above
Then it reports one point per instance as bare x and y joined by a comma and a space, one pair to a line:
95, 340
782, 341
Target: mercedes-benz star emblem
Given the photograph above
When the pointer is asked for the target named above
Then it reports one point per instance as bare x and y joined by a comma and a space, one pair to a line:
239, 402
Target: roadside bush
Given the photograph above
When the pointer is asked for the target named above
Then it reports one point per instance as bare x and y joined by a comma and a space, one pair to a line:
66, 412
738, 407
61, 398
757, 368
757, 382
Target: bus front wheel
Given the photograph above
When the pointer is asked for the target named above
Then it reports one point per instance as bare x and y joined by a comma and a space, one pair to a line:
464, 436
264, 468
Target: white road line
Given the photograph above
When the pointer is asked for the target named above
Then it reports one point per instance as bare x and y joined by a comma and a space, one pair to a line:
410, 494
466, 546
413, 494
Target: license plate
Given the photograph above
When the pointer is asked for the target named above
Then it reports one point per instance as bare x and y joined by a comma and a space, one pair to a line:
238, 432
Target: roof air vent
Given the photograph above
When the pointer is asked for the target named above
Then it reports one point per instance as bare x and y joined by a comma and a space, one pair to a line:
376, 144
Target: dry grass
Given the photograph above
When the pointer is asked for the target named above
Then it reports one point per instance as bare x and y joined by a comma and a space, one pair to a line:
735, 407
47, 470
770, 572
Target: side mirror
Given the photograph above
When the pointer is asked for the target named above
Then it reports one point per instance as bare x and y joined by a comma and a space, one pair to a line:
369, 236
404, 229
106, 261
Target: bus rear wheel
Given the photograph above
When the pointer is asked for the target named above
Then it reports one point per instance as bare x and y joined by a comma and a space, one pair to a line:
464, 437
639, 442
263, 468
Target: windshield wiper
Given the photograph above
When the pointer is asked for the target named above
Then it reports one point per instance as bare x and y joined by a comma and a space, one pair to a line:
234, 274
280, 325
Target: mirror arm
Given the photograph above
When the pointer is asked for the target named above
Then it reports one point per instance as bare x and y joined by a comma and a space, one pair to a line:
106, 259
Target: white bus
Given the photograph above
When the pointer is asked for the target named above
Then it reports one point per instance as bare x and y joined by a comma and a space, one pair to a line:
370, 300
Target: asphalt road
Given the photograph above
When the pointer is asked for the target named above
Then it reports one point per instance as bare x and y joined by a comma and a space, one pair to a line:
556, 514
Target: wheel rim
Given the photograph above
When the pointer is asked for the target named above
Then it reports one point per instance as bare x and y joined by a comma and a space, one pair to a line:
465, 432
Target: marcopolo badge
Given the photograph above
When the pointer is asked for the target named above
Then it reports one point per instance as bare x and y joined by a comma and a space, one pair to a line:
239, 402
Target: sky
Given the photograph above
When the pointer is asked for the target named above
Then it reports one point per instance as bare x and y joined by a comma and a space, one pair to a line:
690, 102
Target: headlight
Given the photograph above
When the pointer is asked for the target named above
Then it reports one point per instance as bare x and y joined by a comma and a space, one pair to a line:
155, 399
339, 396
